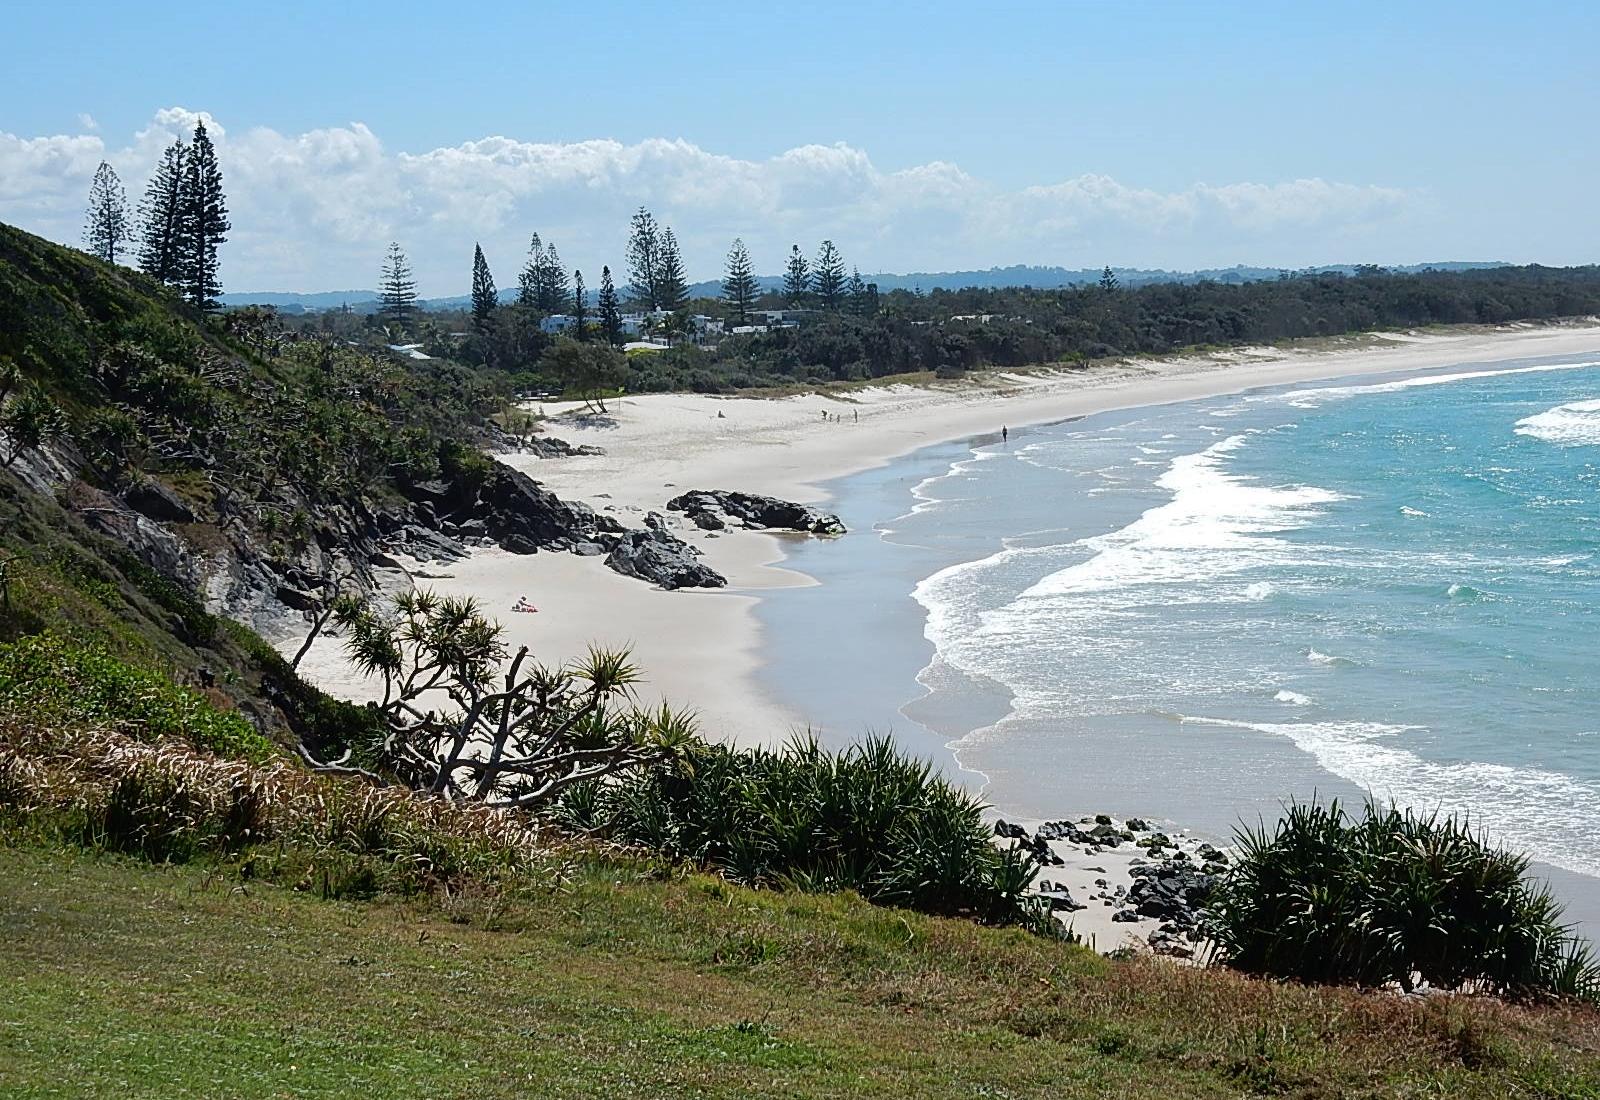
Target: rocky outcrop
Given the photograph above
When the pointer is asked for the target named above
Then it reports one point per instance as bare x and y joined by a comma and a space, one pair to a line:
153, 499
500, 441
656, 556
507, 507
545, 446
522, 515
714, 509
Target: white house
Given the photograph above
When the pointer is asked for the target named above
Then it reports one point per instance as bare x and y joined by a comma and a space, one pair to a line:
706, 327
558, 322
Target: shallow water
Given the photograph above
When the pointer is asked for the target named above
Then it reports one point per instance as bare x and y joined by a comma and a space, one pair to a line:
1198, 610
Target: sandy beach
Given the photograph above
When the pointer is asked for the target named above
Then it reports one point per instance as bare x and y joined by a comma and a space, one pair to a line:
702, 648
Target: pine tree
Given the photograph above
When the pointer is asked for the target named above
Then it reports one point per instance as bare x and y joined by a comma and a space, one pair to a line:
671, 290
610, 310
580, 308
739, 284
484, 298
857, 291
644, 244
797, 279
397, 293
528, 277
828, 279
107, 225
1108, 279
161, 217
552, 283
204, 221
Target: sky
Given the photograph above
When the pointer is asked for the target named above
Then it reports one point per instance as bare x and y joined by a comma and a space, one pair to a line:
918, 137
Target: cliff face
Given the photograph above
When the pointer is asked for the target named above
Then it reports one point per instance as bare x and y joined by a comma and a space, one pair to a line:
255, 470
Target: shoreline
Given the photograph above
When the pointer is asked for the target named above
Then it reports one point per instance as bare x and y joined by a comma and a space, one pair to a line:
702, 648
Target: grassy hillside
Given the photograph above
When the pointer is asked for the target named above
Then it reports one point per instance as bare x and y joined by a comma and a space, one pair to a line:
184, 911
618, 978
194, 452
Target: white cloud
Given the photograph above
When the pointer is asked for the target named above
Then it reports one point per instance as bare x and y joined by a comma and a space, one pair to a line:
86, 122
315, 210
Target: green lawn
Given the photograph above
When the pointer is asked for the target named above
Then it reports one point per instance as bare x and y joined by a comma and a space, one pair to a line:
127, 980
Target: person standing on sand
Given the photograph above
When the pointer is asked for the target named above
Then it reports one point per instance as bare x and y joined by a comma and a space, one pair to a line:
1005, 434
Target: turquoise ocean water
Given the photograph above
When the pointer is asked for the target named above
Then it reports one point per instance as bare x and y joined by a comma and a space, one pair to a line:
1199, 610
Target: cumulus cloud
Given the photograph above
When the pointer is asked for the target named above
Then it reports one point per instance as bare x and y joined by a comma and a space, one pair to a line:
315, 210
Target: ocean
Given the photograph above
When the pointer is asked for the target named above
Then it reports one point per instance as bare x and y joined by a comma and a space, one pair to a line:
1198, 611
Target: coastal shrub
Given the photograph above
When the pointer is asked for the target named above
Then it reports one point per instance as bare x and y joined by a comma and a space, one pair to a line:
867, 818
49, 678
1393, 897
169, 802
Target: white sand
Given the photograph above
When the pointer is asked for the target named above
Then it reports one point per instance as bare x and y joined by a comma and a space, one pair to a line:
701, 649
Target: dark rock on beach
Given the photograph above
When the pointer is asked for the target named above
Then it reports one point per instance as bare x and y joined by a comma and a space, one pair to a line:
546, 446
662, 559
752, 511
511, 502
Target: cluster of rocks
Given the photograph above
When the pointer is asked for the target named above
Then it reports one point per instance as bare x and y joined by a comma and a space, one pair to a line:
500, 441
512, 510
1171, 880
547, 446
717, 509
656, 555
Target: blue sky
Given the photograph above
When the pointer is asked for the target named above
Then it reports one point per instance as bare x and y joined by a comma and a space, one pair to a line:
934, 135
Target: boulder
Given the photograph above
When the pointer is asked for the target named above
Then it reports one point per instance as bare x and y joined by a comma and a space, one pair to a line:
662, 559
512, 503
755, 511
298, 598
153, 499
546, 446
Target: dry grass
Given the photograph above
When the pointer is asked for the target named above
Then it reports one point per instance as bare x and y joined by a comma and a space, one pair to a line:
167, 801
584, 970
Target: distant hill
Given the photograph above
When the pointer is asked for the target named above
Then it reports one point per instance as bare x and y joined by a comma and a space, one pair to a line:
1042, 278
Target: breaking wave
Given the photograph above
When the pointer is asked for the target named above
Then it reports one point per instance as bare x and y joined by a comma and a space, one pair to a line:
1573, 425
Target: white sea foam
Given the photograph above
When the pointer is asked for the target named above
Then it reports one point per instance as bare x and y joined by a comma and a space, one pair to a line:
1318, 658
1309, 398
1573, 425
1215, 524
1416, 512
1293, 698
1544, 813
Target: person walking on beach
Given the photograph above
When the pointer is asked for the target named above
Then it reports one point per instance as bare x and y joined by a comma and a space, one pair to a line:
1004, 433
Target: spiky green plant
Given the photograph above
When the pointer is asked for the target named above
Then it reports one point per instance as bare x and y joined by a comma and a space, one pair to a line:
1393, 897
867, 818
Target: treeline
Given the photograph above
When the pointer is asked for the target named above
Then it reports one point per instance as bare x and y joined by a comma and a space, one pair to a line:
950, 332
826, 323
181, 222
